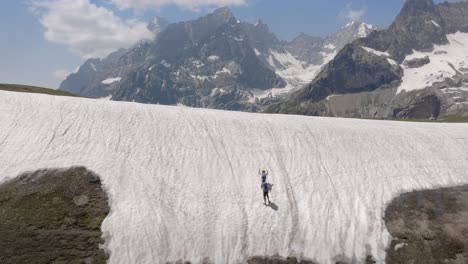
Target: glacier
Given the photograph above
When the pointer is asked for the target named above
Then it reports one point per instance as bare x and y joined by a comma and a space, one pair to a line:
446, 61
183, 182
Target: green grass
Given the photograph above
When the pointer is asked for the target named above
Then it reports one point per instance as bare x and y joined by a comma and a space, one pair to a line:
445, 119
34, 89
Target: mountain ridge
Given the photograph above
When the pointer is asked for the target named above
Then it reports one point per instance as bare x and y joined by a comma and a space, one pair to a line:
383, 76
215, 61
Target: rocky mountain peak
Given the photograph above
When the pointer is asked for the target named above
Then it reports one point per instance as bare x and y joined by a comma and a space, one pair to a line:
416, 7
261, 26
157, 24
305, 39
351, 31
213, 61
223, 12
418, 26
415, 11
351, 24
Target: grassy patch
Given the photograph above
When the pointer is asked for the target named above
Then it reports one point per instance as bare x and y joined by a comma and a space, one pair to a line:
52, 216
445, 119
34, 89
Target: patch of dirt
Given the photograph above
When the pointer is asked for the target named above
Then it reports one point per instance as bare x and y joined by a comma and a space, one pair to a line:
52, 216
277, 260
429, 227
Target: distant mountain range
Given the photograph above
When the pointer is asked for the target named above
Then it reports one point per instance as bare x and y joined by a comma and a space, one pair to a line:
417, 68
215, 61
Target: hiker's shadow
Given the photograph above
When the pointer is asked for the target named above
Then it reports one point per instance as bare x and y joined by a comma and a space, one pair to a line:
270, 187
273, 206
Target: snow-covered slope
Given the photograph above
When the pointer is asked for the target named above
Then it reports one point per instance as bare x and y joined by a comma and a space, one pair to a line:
183, 182
445, 62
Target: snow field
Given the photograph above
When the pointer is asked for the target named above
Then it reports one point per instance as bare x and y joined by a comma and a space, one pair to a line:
111, 80
183, 182
445, 62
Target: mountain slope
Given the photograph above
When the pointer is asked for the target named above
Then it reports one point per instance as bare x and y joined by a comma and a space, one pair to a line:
183, 186
408, 70
33, 89
215, 61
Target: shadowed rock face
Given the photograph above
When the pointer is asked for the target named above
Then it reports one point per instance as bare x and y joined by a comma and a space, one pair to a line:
52, 216
429, 227
345, 75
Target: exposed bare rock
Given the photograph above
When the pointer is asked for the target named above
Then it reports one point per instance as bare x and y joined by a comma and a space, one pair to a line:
417, 62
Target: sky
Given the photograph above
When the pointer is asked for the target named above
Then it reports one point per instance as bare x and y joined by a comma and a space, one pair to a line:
42, 41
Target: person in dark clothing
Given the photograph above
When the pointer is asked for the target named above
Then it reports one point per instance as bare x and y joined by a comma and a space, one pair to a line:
265, 190
263, 174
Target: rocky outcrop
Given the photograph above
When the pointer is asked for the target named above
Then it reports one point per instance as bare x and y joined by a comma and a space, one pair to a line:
417, 62
418, 27
428, 227
352, 31
52, 216
454, 15
308, 48
421, 104
353, 70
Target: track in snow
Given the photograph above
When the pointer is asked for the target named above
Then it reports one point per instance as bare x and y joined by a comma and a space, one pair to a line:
183, 182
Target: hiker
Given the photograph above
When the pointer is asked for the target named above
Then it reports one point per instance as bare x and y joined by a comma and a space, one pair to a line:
263, 174
265, 190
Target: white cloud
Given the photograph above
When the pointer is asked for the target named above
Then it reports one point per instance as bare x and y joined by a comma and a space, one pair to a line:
87, 29
189, 4
350, 14
61, 74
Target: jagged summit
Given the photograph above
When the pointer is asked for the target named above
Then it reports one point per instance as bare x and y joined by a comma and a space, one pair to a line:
214, 61
350, 32
158, 24
351, 23
223, 12
415, 7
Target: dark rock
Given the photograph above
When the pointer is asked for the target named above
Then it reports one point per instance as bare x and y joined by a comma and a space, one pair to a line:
454, 15
438, 52
417, 62
417, 104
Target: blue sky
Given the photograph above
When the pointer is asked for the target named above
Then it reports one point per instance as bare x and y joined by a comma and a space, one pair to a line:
43, 40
